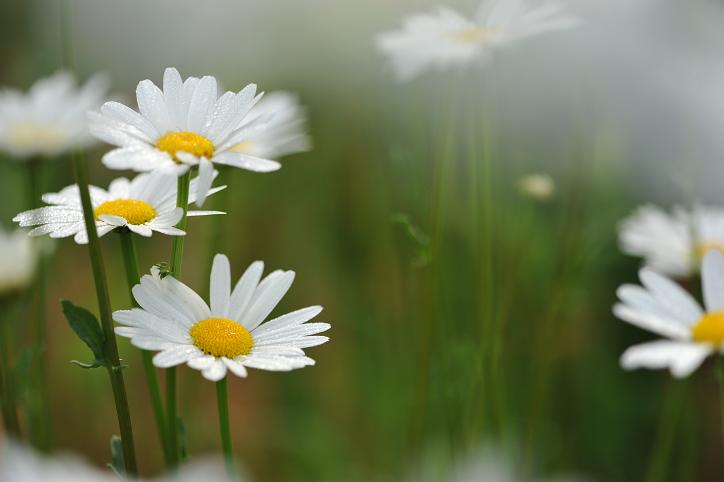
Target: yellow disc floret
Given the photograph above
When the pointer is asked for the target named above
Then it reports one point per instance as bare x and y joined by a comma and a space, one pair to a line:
222, 337
703, 247
183, 141
473, 35
710, 328
132, 210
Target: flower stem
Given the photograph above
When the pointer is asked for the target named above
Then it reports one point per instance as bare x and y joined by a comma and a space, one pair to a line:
130, 260
222, 401
671, 414
182, 201
720, 376
110, 348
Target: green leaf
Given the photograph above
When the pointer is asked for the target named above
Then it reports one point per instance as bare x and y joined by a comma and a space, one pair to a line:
118, 464
86, 326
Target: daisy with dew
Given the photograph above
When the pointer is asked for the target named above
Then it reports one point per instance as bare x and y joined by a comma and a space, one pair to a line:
186, 124
227, 334
51, 118
444, 38
145, 204
672, 243
663, 307
18, 258
285, 131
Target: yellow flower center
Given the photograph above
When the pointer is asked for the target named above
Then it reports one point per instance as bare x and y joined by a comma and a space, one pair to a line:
36, 135
703, 247
222, 337
132, 210
473, 35
195, 144
244, 147
710, 328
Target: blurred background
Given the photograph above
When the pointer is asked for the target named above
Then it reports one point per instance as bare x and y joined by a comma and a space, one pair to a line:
463, 310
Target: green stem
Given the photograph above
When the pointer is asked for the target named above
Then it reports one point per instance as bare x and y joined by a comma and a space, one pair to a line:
110, 348
7, 394
720, 376
130, 260
659, 465
182, 201
222, 401
39, 410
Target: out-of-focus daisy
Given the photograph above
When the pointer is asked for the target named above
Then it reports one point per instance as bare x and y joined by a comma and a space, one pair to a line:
23, 464
286, 129
144, 205
663, 307
231, 333
672, 243
18, 257
537, 186
51, 118
185, 124
445, 38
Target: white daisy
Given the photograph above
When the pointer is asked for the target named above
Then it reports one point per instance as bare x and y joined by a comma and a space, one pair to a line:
230, 334
445, 38
537, 186
663, 307
185, 124
18, 258
144, 205
285, 132
51, 118
672, 243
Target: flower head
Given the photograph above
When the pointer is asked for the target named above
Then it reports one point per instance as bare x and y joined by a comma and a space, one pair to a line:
285, 132
185, 124
51, 118
672, 243
144, 205
18, 257
230, 332
663, 307
445, 38
537, 186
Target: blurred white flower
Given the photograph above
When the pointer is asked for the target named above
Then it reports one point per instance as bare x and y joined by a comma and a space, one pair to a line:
51, 118
18, 257
186, 124
230, 333
672, 243
23, 464
445, 38
537, 186
663, 307
145, 204
285, 132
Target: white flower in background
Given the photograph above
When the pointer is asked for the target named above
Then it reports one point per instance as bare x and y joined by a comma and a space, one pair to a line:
51, 118
663, 307
19, 463
18, 257
537, 186
286, 129
144, 205
185, 124
672, 243
231, 334
444, 38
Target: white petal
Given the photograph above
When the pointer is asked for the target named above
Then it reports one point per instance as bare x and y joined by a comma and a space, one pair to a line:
266, 298
206, 177
175, 356
152, 105
220, 286
289, 320
244, 290
681, 358
235, 367
247, 162
671, 297
712, 280
202, 103
215, 372
651, 322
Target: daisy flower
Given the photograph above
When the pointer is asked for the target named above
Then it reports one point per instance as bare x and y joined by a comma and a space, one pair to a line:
230, 334
445, 38
51, 118
663, 307
17, 261
672, 243
185, 124
144, 205
540, 187
285, 132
